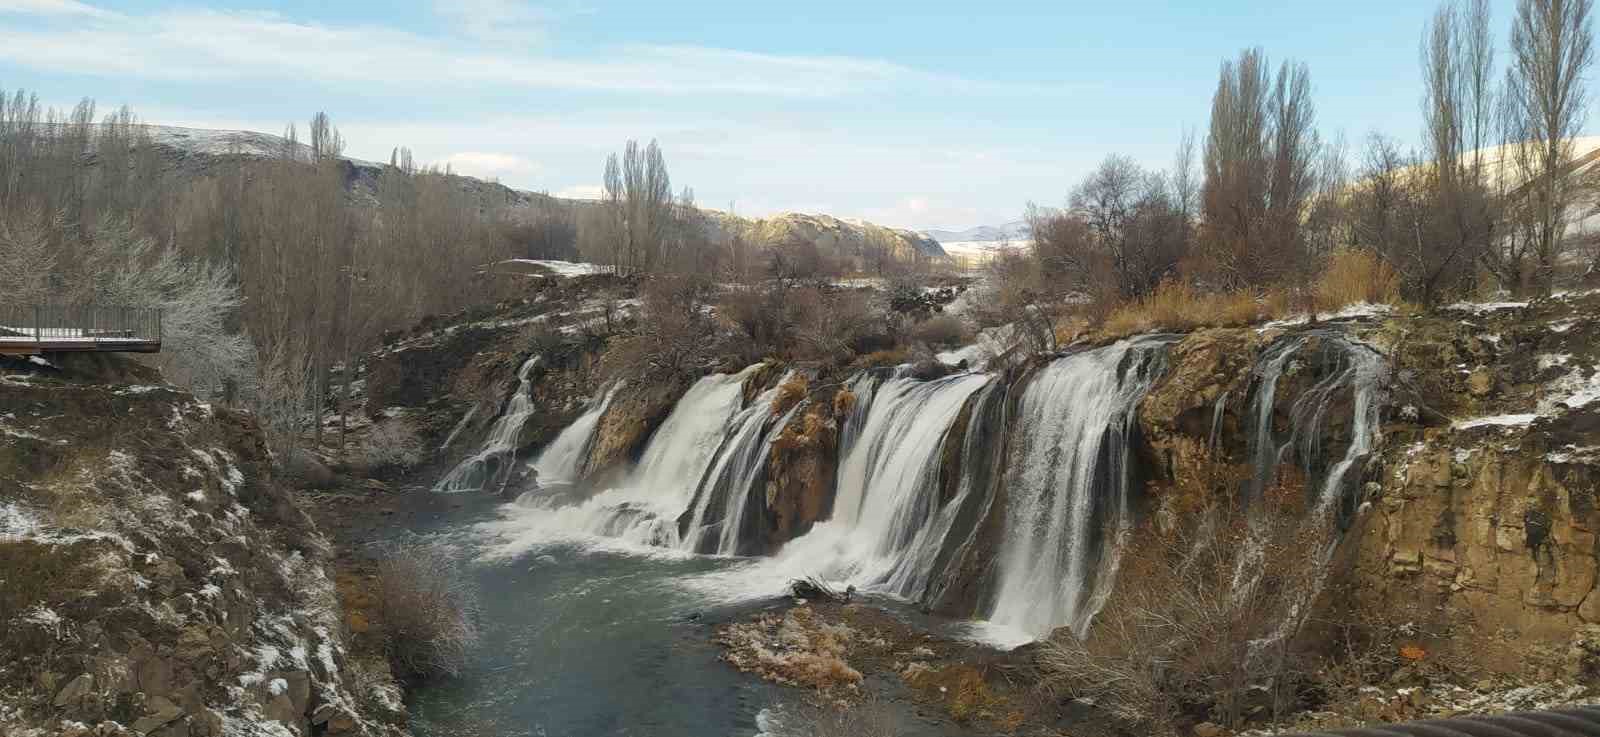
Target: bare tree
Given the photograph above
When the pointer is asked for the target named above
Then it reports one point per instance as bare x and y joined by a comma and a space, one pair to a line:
1259, 170
1552, 48
1457, 63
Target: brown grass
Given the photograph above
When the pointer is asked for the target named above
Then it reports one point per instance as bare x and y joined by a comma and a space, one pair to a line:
789, 394
1176, 305
844, 400
890, 357
1354, 276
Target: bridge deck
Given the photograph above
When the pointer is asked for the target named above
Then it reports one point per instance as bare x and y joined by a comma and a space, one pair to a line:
34, 329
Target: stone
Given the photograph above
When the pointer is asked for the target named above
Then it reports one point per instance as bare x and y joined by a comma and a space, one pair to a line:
206, 723
1480, 382
159, 711
194, 643
1207, 729
75, 690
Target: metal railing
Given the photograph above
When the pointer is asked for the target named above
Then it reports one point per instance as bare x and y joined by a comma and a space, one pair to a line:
67, 324
1575, 722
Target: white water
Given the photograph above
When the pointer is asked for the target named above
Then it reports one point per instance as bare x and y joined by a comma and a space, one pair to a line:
562, 461
886, 499
645, 507
1069, 475
491, 466
719, 504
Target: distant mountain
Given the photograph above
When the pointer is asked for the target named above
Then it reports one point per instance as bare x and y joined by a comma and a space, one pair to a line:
1013, 231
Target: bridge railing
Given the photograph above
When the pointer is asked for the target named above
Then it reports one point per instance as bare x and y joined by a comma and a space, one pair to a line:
79, 324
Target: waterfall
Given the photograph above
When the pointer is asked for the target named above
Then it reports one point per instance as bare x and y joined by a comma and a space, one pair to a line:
644, 508
491, 466
716, 516
561, 462
1069, 477
883, 532
1357, 369
1264, 451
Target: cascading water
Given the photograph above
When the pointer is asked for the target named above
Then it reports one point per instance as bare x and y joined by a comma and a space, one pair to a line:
1070, 477
491, 467
645, 507
717, 515
880, 535
561, 462
1356, 369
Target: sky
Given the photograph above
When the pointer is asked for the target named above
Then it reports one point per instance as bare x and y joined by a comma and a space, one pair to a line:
920, 114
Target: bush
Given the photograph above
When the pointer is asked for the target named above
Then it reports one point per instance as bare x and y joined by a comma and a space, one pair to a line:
1208, 607
942, 331
427, 611
1355, 275
392, 445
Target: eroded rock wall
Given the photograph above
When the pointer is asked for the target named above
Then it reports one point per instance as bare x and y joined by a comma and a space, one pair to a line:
156, 579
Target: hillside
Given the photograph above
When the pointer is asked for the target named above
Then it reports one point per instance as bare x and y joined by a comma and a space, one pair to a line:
196, 151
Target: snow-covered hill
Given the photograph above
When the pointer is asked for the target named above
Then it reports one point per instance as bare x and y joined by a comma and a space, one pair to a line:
1016, 230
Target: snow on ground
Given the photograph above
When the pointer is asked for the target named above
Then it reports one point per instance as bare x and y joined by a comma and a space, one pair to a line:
561, 268
979, 251
1514, 420
1479, 308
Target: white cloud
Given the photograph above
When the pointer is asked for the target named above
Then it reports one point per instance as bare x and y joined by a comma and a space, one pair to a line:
53, 7
488, 165
582, 192
189, 44
501, 20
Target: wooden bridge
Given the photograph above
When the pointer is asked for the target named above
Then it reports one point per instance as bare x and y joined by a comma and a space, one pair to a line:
27, 330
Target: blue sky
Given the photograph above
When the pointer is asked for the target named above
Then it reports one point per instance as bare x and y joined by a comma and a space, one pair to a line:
914, 114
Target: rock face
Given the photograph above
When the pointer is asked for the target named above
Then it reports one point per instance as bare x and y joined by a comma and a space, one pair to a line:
626, 426
802, 470
155, 575
1484, 530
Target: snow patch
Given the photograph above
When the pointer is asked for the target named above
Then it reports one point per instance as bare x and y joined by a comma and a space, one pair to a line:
1514, 420
1479, 308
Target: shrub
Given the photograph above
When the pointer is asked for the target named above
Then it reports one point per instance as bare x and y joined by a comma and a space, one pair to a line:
1356, 275
427, 611
941, 331
391, 445
1207, 608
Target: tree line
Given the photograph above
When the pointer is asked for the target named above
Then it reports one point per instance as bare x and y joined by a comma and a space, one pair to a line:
273, 269
1484, 202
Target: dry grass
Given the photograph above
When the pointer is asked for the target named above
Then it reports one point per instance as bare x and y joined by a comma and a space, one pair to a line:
427, 611
1354, 276
844, 400
789, 394
890, 357
796, 649
1176, 305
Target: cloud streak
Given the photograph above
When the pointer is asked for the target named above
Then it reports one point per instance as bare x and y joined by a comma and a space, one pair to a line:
220, 46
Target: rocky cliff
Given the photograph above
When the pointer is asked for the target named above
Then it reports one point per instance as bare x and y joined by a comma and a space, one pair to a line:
156, 580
